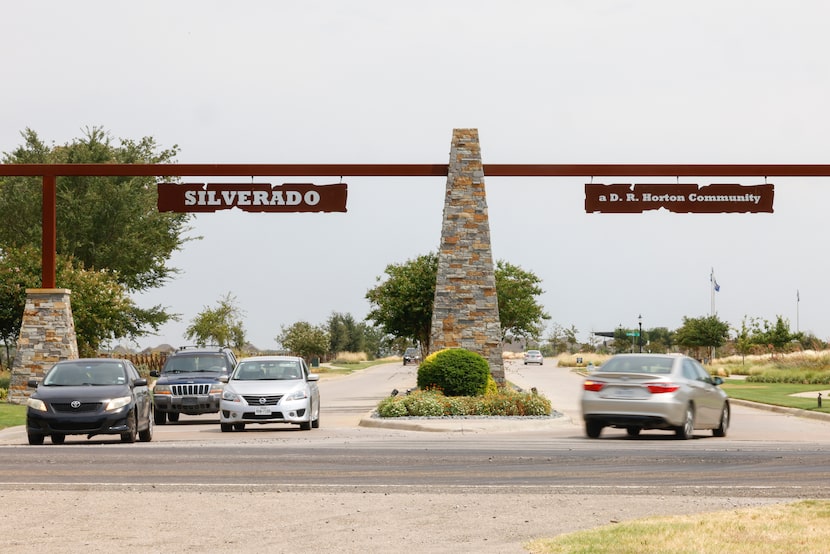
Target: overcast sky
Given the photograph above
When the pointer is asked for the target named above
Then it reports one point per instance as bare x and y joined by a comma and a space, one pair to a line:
386, 82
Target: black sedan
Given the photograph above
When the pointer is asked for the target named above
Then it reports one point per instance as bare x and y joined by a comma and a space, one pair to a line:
95, 396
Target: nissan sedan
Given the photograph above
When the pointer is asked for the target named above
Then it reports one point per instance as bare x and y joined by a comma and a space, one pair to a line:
270, 389
637, 392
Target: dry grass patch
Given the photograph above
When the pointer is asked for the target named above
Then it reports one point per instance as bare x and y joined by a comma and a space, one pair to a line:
779, 529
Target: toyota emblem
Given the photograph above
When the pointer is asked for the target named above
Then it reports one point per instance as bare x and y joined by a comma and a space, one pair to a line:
262, 401
75, 404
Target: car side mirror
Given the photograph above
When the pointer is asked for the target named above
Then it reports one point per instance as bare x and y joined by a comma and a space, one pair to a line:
140, 382
313, 377
224, 378
717, 381
33, 383
155, 373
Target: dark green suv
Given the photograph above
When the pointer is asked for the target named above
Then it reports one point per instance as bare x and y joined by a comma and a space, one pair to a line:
191, 382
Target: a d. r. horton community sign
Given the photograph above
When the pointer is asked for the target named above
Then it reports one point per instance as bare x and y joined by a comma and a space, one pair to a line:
679, 198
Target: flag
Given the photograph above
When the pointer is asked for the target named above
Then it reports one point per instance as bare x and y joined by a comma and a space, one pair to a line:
717, 286
797, 296
714, 281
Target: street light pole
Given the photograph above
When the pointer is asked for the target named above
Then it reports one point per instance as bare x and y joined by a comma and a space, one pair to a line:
640, 336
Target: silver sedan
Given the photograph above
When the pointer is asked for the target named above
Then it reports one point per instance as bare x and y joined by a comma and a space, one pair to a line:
270, 389
654, 391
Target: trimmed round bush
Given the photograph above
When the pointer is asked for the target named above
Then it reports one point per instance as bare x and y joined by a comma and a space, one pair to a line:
455, 372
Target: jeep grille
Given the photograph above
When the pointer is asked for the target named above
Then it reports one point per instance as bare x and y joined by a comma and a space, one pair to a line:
190, 390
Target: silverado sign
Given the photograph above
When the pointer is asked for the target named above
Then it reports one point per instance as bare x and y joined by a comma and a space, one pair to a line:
679, 198
251, 197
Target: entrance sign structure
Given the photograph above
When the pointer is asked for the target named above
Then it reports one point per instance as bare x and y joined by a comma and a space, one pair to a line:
47, 333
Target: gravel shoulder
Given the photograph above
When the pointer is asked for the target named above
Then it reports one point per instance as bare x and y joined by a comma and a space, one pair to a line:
152, 520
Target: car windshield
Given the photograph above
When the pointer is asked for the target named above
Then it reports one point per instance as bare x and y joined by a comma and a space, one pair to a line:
533, 353
638, 364
282, 370
89, 373
210, 363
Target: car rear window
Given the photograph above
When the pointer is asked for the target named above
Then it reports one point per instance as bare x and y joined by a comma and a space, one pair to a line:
635, 364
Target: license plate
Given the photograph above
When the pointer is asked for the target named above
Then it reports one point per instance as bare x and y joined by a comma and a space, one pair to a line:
625, 392
262, 410
190, 400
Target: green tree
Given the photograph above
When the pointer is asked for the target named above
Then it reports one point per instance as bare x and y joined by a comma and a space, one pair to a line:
743, 341
402, 304
304, 339
345, 334
520, 314
101, 307
700, 332
102, 222
660, 339
221, 325
777, 335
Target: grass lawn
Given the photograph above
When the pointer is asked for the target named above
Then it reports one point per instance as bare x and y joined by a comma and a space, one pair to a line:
778, 394
11, 415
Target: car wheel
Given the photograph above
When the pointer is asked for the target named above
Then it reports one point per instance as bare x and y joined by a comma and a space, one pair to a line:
316, 423
35, 439
593, 429
173, 416
633, 431
58, 439
226, 427
159, 417
238, 426
147, 434
720, 430
687, 430
131, 433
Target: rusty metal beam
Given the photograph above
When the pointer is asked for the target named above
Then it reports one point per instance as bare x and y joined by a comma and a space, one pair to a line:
49, 235
416, 170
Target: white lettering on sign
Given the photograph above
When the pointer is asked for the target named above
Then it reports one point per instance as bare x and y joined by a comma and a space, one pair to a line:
230, 198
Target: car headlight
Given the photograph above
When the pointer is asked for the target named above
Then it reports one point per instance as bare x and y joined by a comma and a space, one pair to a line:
161, 389
117, 403
36, 404
299, 394
230, 395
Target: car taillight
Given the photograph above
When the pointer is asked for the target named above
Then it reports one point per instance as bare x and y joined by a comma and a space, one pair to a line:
657, 388
593, 386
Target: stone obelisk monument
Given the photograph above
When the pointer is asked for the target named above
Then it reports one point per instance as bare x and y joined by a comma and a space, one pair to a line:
465, 313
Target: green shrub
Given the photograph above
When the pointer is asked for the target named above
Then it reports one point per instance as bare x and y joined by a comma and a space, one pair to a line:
392, 406
432, 403
425, 404
455, 371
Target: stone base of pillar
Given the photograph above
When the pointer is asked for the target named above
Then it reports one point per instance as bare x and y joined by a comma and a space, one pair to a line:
47, 335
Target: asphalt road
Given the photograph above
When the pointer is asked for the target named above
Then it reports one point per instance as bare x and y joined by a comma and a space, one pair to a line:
359, 485
778, 454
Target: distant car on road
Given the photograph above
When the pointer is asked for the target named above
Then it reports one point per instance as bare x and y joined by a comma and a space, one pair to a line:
636, 392
270, 389
411, 356
534, 357
95, 396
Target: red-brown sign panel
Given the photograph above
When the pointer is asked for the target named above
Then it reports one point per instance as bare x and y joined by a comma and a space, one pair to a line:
679, 198
251, 197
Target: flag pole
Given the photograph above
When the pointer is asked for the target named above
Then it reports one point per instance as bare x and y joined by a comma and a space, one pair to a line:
797, 305
712, 290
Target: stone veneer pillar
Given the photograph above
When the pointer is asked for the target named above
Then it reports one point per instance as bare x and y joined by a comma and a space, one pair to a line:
47, 335
465, 312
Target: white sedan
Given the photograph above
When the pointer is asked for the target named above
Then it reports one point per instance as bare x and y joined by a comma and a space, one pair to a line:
270, 389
